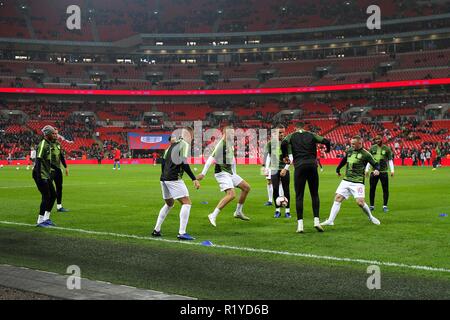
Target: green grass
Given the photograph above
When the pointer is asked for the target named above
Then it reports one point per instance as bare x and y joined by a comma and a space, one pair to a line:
128, 202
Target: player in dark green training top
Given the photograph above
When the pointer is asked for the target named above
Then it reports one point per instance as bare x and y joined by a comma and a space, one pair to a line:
355, 159
173, 165
42, 175
274, 164
384, 156
301, 147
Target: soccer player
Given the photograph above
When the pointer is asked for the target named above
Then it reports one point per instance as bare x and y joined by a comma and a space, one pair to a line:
383, 155
116, 158
173, 165
301, 146
42, 175
355, 159
155, 156
275, 172
269, 184
226, 176
58, 159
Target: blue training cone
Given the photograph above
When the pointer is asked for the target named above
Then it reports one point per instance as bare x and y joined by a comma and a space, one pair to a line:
207, 243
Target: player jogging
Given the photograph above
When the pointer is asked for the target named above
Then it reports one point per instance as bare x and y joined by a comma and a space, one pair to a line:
383, 155
355, 159
173, 165
58, 159
275, 167
42, 175
226, 176
301, 146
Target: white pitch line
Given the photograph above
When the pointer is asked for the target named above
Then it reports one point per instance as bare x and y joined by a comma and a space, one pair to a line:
254, 250
66, 185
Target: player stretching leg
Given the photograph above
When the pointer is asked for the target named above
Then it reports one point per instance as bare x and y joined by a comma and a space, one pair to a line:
226, 177
356, 160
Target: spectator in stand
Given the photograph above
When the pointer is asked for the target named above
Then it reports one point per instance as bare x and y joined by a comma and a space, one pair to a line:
428, 156
403, 155
422, 157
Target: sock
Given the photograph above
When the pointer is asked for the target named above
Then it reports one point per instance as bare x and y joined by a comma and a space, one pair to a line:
366, 210
288, 210
281, 191
239, 207
216, 212
277, 210
59, 206
46, 215
162, 215
40, 219
300, 224
184, 217
316, 221
270, 192
334, 211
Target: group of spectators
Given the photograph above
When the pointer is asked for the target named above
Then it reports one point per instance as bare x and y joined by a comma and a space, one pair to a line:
426, 154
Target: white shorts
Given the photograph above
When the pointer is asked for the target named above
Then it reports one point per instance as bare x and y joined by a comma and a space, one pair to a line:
228, 181
174, 189
347, 189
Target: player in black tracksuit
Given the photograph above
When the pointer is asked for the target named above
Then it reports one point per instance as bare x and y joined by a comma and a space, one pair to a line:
301, 147
58, 159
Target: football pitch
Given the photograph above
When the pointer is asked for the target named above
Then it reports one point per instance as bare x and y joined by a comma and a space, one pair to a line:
112, 213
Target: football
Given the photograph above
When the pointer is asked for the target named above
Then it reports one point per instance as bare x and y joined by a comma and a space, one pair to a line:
282, 201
